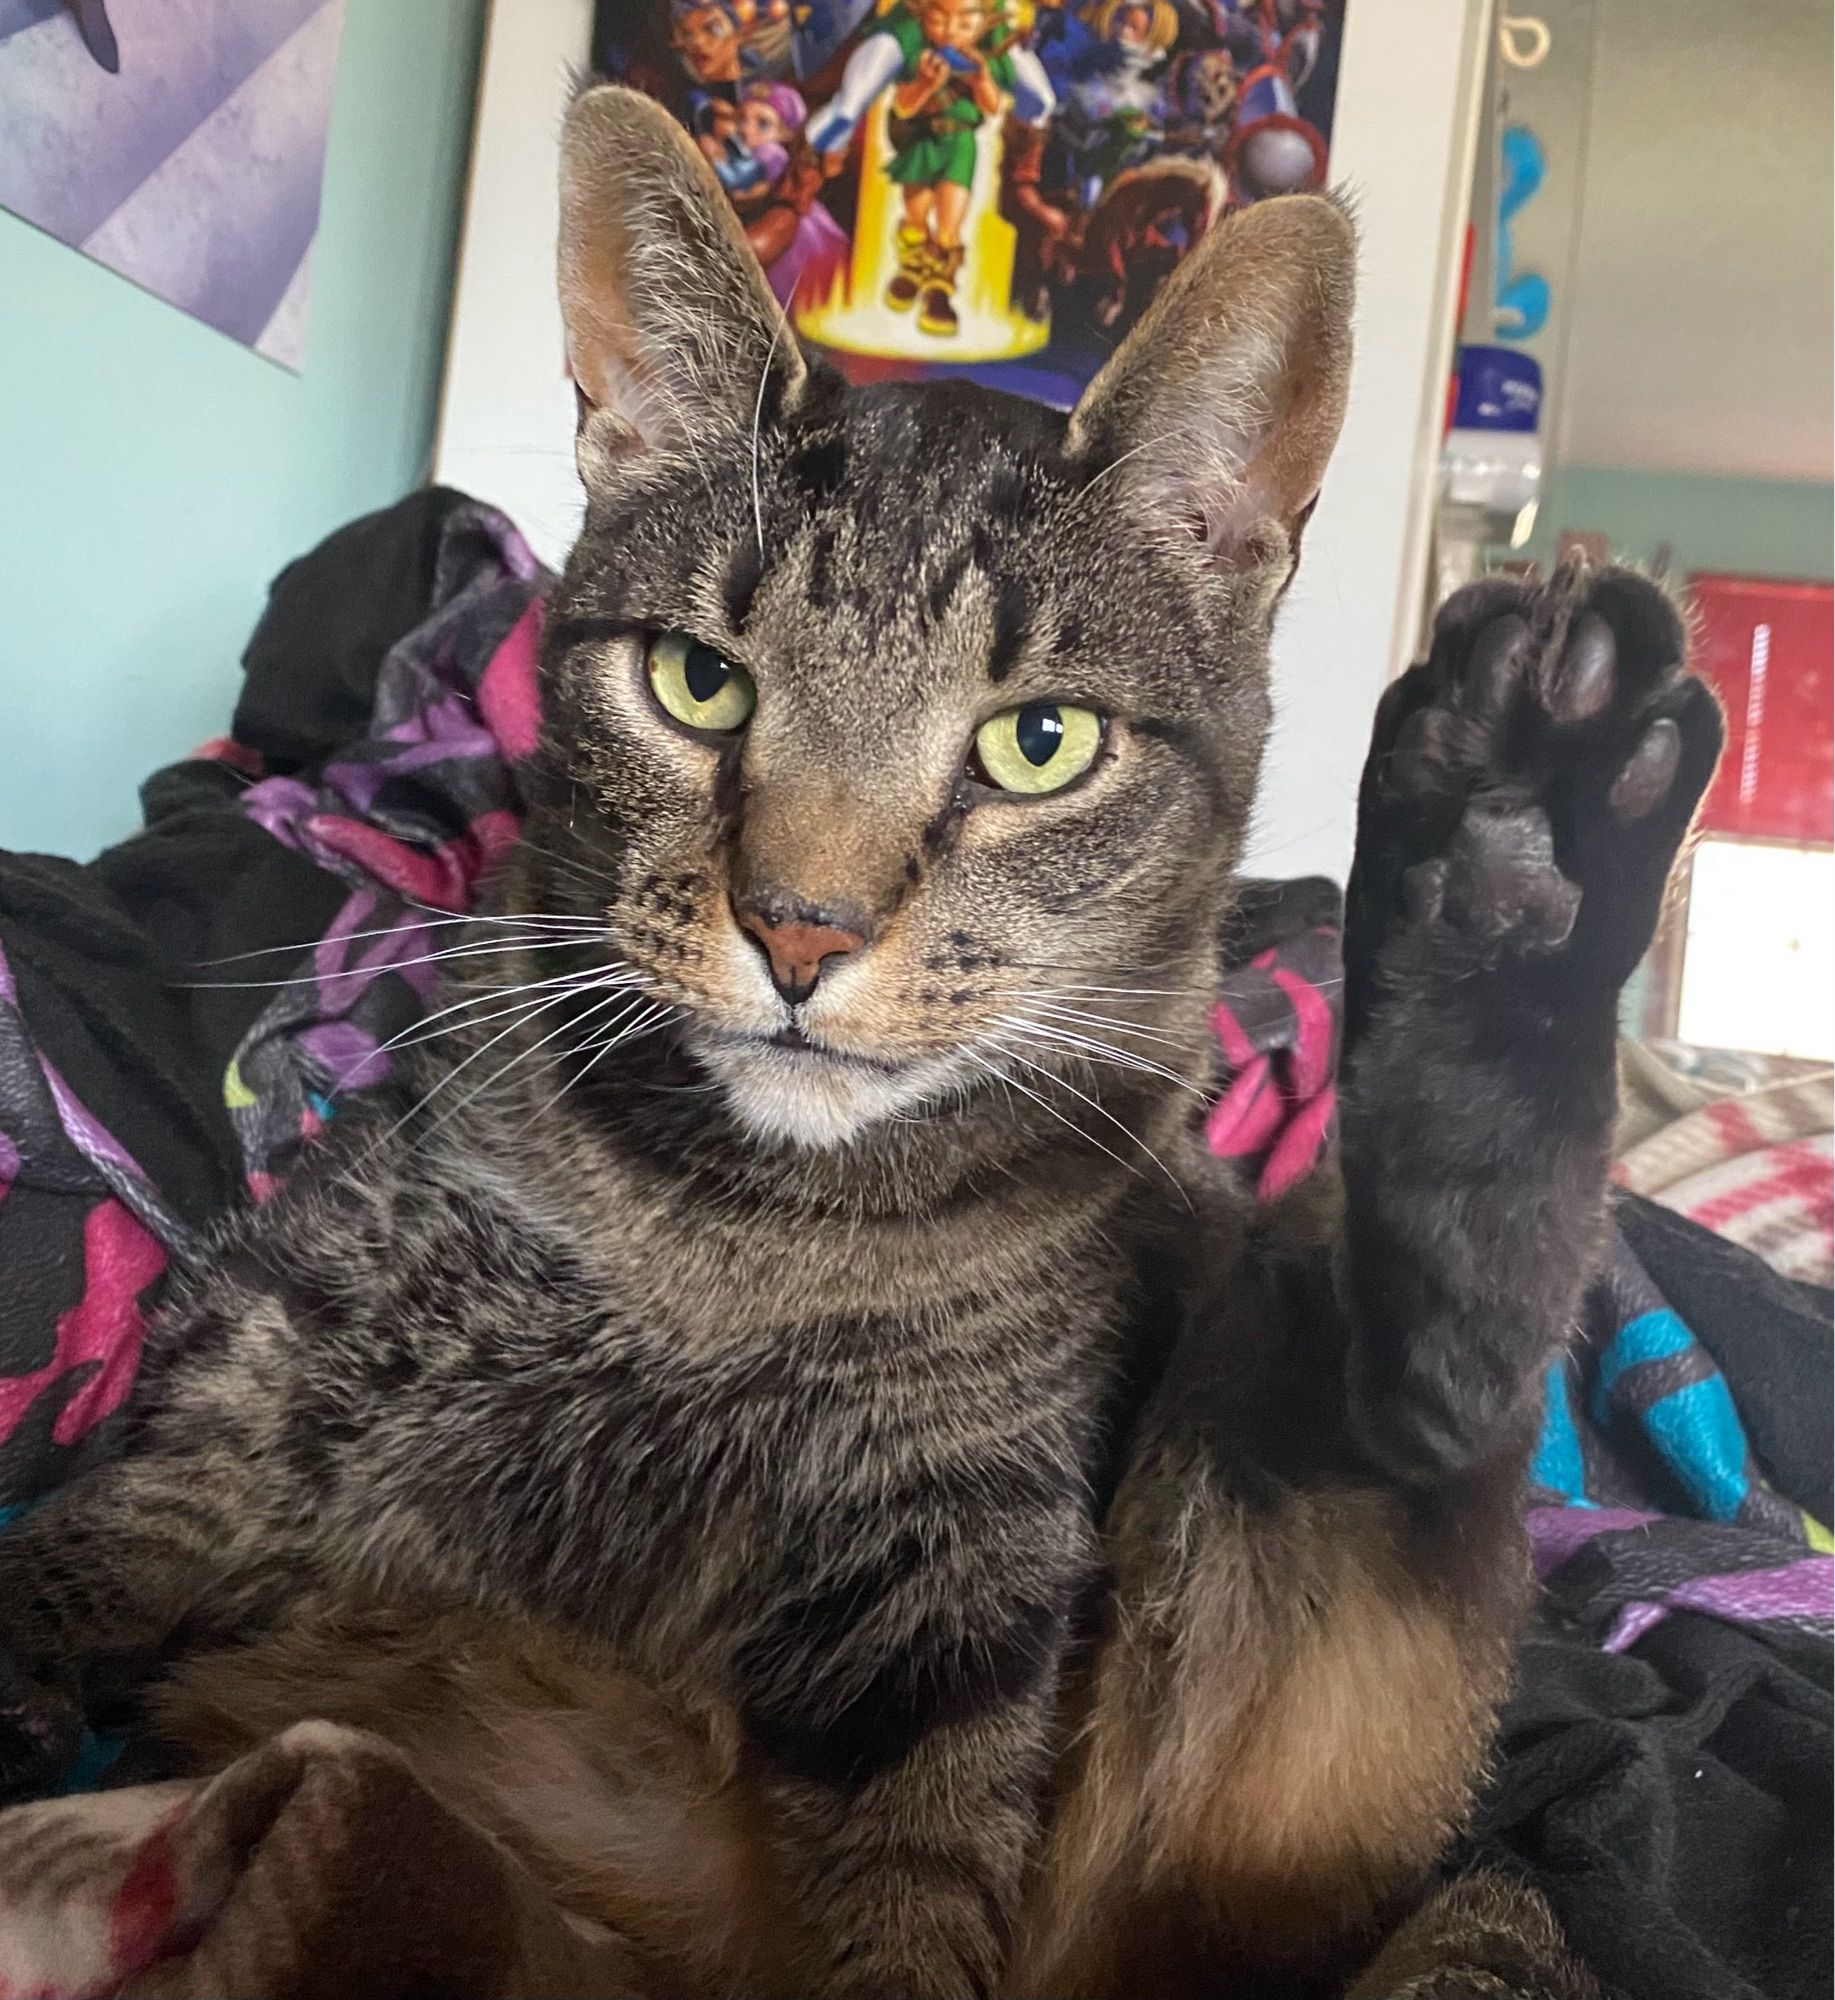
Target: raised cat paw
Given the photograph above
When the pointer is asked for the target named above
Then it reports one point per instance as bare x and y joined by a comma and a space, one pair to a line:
1530, 783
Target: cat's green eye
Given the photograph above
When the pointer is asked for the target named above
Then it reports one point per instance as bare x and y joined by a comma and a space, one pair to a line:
697, 687
1038, 748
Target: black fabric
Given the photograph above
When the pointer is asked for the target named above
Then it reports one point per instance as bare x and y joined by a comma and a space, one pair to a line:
1673, 1805
311, 666
104, 1010
1771, 1336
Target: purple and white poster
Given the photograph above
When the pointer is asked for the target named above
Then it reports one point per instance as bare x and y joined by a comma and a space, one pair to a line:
179, 142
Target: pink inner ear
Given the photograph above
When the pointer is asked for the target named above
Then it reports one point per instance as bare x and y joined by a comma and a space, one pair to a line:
1207, 478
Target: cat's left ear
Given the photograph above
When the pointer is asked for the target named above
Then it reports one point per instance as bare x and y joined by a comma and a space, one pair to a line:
672, 332
1221, 408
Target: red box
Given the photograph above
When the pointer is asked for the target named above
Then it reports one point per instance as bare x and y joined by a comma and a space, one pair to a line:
1766, 647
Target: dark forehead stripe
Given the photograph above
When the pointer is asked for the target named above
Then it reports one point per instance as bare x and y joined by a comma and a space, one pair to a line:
885, 494
744, 569
816, 472
819, 470
1012, 625
821, 584
1009, 590
943, 588
1007, 499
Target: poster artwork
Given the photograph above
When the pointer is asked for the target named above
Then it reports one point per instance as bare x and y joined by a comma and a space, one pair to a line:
993, 188
179, 142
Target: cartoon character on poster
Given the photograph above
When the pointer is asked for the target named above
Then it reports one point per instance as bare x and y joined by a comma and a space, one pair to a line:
933, 89
720, 42
1112, 117
753, 144
996, 186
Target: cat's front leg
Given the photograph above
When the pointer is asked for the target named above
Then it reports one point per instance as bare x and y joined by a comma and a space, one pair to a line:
196, 1528
1527, 791
108, 1569
907, 1886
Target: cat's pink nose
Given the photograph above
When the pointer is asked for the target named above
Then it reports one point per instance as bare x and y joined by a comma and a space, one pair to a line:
797, 947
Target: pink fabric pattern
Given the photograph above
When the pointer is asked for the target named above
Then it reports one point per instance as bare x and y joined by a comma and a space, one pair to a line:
102, 1331
1276, 1026
508, 697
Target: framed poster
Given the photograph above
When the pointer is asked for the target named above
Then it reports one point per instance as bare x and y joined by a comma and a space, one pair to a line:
993, 188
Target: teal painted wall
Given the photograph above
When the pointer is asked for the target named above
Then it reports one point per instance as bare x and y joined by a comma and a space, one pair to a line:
1751, 527
154, 475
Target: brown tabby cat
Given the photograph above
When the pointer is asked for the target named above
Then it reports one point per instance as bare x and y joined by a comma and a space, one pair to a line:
793, 1431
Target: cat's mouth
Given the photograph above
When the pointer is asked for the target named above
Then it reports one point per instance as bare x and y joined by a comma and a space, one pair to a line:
794, 1041
788, 1086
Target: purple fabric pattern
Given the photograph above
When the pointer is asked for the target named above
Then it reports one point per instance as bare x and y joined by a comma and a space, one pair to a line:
413, 816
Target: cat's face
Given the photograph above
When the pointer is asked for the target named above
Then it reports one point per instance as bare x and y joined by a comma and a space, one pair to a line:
906, 743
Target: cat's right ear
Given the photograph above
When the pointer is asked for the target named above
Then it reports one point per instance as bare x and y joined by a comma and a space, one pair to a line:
1221, 408
672, 332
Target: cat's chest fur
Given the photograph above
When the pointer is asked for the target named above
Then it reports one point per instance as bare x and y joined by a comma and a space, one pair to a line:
592, 1398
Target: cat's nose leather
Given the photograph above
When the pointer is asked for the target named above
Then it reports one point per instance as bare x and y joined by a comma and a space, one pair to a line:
798, 943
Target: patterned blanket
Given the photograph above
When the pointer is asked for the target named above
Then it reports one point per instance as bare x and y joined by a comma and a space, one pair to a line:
317, 1867
1651, 1497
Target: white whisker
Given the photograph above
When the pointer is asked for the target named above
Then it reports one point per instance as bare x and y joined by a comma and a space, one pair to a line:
604, 1041
589, 872
533, 920
415, 1033
497, 1075
540, 942
758, 417
526, 1015
1120, 992
1088, 1020
1100, 1051
1101, 1110
1025, 1090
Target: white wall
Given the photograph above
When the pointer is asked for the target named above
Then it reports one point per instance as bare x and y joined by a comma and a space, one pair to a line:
1706, 260
506, 416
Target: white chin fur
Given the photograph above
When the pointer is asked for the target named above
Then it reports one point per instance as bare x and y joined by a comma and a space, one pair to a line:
783, 1098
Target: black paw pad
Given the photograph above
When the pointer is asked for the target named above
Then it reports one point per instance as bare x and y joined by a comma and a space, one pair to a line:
1649, 771
1500, 879
1586, 671
1531, 781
